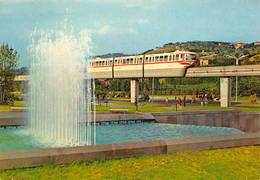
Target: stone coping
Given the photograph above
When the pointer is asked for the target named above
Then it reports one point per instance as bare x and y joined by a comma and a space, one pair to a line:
34, 158
20, 118
199, 112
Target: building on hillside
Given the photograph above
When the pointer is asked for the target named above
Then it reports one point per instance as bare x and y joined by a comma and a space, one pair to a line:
239, 45
257, 43
204, 60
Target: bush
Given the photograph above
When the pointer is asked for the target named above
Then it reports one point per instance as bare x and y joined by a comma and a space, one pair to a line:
253, 99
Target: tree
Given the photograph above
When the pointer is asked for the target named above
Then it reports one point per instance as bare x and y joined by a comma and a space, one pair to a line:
8, 63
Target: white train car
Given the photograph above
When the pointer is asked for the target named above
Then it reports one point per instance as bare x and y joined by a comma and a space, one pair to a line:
172, 64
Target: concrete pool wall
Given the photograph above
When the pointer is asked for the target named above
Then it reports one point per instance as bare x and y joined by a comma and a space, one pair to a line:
247, 122
34, 158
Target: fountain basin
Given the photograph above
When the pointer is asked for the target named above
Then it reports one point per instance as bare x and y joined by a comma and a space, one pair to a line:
13, 139
247, 123
33, 158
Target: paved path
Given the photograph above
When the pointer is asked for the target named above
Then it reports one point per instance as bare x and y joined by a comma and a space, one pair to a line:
12, 118
12, 115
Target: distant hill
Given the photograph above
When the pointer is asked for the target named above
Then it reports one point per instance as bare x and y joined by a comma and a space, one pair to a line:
111, 55
216, 51
22, 71
195, 46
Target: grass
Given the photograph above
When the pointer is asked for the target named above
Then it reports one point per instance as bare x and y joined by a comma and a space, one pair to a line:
158, 107
4, 107
16, 104
142, 107
232, 163
241, 107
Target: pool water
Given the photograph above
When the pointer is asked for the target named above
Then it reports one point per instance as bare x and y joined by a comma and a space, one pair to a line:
18, 138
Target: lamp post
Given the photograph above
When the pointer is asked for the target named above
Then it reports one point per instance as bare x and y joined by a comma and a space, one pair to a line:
237, 64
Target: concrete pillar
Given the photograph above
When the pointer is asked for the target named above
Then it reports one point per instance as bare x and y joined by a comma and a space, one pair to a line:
225, 92
134, 90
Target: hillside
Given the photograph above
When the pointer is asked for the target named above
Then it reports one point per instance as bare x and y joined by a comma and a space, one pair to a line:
218, 53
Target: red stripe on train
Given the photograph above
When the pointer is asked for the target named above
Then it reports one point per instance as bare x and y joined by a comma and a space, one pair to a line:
179, 62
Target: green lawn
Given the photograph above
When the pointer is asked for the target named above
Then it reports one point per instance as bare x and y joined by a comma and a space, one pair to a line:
231, 163
4, 107
241, 107
16, 104
158, 107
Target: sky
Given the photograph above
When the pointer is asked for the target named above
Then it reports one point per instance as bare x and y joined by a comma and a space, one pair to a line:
131, 26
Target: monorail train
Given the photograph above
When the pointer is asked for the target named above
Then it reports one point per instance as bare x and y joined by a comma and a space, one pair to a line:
172, 64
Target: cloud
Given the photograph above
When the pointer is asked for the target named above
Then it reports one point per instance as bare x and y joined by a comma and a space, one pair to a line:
141, 21
15, 1
134, 3
108, 29
125, 3
104, 29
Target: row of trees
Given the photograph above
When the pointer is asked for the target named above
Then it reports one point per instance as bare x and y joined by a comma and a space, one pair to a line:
177, 86
8, 64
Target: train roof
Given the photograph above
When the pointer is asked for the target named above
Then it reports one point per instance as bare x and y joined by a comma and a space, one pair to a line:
97, 58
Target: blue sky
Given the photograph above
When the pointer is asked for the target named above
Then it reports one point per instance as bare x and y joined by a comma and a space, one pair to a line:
131, 26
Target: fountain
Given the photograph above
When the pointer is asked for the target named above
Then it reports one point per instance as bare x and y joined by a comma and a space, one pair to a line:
59, 96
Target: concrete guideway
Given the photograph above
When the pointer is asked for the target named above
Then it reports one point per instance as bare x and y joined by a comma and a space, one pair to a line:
215, 71
224, 72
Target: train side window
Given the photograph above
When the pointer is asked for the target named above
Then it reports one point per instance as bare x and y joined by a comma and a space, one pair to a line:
140, 60
177, 57
161, 58
165, 58
182, 57
131, 60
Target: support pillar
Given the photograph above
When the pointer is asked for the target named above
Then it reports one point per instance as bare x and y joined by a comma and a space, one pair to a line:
134, 90
225, 92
